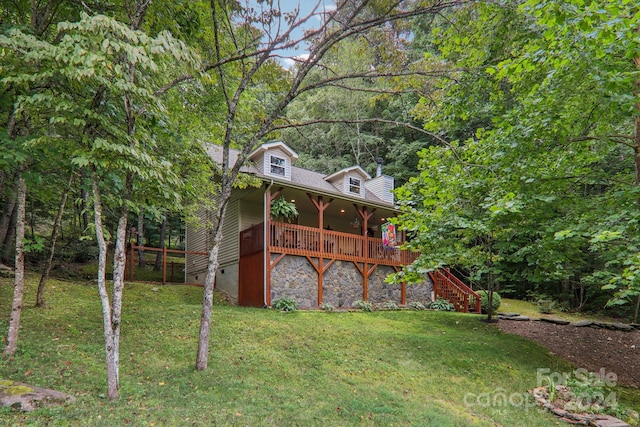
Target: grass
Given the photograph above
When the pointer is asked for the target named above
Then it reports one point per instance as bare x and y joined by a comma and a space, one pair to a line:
268, 367
147, 273
530, 309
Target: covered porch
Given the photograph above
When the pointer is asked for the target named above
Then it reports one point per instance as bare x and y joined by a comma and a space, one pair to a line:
334, 255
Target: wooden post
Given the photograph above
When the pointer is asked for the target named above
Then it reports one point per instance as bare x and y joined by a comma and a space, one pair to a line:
131, 263
321, 206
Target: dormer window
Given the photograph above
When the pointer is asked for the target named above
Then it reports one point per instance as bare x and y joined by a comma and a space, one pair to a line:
355, 185
277, 165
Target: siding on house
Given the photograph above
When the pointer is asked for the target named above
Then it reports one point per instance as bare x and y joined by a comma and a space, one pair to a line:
240, 215
266, 163
229, 248
251, 213
198, 240
382, 187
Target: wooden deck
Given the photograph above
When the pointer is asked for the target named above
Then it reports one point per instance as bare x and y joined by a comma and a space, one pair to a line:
313, 242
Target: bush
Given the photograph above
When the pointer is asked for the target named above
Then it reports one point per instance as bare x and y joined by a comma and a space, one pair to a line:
328, 306
363, 305
442, 304
390, 305
485, 301
285, 304
417, 305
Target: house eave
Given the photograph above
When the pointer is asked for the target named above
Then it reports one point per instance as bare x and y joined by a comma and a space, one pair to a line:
336, 195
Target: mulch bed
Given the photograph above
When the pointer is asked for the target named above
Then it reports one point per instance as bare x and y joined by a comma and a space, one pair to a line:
589, 348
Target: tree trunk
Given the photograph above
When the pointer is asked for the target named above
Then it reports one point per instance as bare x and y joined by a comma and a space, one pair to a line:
207, 299
112, 365
18, 286
84, 209
54, 237
2, 180
163, 229
140, 239
5, 221
9, 240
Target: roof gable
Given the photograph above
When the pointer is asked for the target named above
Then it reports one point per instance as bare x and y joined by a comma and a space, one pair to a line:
348, 171
273, 145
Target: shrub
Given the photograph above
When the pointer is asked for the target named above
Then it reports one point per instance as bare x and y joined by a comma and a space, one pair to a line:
285, 304
417, 305
484, 305
326, 306
363, 305
390, 305
442, 304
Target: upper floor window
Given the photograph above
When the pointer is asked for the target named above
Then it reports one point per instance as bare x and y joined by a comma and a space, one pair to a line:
277, 165
355, 185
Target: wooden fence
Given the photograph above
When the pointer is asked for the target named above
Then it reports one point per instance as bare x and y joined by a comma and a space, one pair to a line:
167, 271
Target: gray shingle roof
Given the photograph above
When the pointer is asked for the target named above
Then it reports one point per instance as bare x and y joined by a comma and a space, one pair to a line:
300, 177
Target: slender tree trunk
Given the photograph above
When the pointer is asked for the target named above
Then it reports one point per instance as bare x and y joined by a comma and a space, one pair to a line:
18, 284
207, 298
7, 213
84, 213
140, 239
163, 229
2, 180
112, 366
490, 287
9, 240
54, 237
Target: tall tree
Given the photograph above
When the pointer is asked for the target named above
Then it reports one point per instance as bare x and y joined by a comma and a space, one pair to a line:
99, 76
547, 101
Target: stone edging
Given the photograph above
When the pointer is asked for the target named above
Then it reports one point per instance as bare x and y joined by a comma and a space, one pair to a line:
579, 324
540, 394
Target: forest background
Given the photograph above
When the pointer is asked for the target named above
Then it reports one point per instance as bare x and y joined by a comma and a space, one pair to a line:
514, 128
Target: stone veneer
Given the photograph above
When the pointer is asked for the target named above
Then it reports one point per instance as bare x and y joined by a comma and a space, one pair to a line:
342, 284
294, 277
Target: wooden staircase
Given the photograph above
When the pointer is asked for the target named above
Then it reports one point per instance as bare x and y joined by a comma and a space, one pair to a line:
449, 287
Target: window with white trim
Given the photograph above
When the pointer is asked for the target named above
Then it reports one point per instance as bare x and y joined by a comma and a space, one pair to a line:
355, 186
277, 165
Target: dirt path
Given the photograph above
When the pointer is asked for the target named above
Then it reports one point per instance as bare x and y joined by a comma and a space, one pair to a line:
589, 348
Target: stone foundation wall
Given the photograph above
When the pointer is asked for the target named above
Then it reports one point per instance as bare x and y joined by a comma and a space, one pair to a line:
378, 291
342, 284
421, 292
294, 277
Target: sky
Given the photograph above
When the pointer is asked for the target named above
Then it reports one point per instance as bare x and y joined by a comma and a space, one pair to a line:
306, 6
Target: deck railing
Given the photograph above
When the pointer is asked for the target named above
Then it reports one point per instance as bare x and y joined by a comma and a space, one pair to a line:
310, 241
449, 287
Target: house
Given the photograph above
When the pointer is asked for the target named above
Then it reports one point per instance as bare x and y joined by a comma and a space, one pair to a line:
332, 253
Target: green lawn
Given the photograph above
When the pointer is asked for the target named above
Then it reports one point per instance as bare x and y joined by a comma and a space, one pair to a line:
271, 368
531, 310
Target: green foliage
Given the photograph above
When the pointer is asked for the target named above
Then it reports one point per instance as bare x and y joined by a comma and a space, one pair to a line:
533, 186
285, 304
326, 306
34, 245
282, 208
441, 304
363, 305
484, 304
390, 305
417, 305
545, 306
